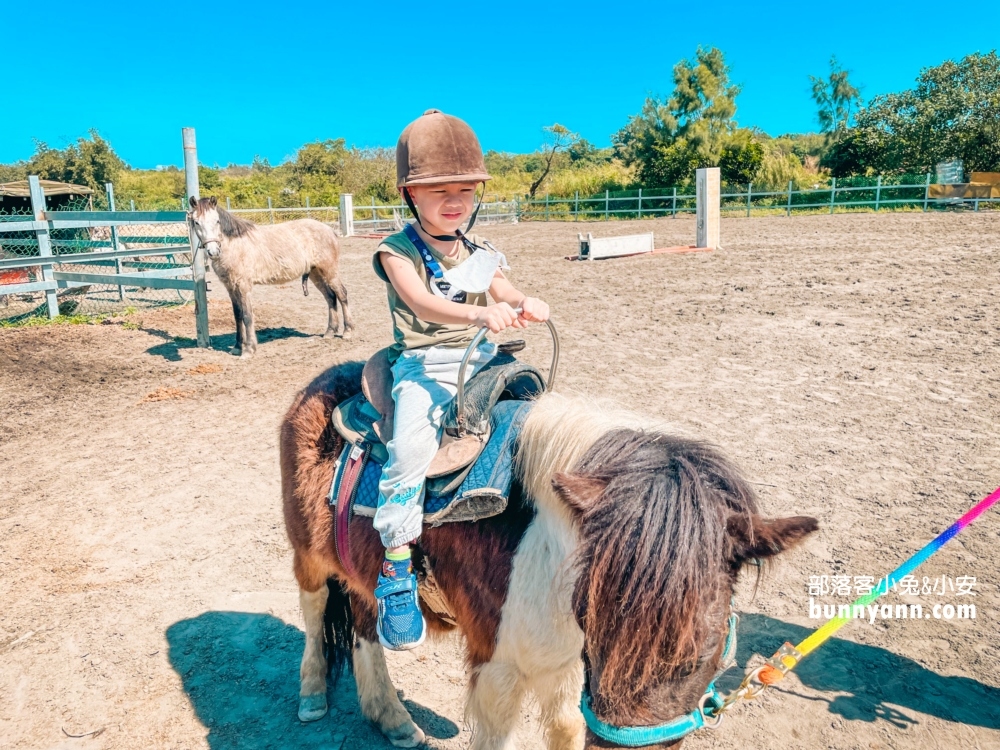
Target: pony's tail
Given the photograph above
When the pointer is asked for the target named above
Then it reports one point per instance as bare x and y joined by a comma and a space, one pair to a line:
338, 630
305, 286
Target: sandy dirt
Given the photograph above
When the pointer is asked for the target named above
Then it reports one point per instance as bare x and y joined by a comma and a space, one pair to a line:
846, 362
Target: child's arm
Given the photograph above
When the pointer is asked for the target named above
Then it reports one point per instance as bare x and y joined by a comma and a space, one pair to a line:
426, 306
532, 308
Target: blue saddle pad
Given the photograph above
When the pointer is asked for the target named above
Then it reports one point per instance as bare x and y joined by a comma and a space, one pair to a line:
491, 475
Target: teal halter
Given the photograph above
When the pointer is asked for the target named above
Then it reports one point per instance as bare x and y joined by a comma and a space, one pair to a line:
703, 716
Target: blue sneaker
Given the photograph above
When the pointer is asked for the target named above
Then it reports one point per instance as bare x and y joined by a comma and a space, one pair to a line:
400, 623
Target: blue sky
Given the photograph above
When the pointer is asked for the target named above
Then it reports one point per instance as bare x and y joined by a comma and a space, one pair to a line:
264, 78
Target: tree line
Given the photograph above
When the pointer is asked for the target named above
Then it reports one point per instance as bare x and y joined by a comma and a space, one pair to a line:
952, 111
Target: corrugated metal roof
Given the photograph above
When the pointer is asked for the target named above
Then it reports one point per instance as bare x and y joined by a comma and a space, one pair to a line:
20, 189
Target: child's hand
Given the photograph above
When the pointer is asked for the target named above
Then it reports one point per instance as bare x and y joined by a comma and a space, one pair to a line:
497, 317
534, 310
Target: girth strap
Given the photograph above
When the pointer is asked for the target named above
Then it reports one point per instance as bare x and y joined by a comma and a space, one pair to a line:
341, 499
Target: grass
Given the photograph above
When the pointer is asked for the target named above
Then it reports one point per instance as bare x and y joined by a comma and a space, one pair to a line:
37, 319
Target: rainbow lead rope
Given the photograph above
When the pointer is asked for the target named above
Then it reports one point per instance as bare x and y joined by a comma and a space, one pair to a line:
788, 656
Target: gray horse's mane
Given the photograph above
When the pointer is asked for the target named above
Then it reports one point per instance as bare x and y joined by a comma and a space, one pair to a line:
233, 226
230, 225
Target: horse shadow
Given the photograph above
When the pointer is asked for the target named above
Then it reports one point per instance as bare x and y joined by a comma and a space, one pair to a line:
240, 671
172, 345
874, 678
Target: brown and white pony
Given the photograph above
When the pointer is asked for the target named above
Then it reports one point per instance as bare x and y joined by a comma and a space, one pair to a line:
243, 254
620, 544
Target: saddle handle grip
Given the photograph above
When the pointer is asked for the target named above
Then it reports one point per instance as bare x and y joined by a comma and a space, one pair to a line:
477, 339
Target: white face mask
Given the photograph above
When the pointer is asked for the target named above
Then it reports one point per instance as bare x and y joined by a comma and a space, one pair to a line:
476, 273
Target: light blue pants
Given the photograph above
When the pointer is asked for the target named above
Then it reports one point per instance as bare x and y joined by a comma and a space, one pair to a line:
424, 383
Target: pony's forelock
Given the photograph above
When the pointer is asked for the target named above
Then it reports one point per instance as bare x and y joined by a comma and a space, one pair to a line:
650, 559
231, 225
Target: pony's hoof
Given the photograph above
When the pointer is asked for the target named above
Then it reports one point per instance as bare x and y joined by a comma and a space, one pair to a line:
235, 351
348, 334
330, 334
407, 735
312, 707
245, 354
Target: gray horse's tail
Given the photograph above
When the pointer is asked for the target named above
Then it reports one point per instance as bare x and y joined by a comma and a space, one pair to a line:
305, 286
338, 629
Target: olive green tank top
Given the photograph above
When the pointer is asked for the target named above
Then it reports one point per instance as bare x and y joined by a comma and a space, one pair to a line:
408, 330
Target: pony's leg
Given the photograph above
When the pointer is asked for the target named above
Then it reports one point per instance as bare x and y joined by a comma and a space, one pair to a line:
341, 291
332, 321
249, 332
238, 316
494, 704
312, 674
379, 702
311, 575
558, 694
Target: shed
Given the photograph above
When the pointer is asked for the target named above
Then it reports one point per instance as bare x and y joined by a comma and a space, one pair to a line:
16, 196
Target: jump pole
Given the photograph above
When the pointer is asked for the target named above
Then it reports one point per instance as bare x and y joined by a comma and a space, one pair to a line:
708, 193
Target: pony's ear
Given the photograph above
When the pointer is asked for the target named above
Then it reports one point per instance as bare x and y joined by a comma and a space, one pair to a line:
757, 538
193, 202
578, 491
213, 201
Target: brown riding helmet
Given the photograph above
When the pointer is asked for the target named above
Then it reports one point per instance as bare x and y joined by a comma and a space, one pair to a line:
437, 148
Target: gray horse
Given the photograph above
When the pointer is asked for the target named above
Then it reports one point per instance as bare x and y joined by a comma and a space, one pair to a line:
243, 254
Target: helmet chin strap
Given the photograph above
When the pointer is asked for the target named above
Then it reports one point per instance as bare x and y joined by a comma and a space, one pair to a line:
459, 235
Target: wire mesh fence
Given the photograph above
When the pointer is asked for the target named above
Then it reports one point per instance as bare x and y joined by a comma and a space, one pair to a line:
73, 250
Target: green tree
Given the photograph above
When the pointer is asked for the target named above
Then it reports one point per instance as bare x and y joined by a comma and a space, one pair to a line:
835, 98
91, 162
669, 139
740, 162
321, 158
952, 112
559, 139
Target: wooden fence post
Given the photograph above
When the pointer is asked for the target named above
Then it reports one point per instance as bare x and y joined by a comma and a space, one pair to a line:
197, 251
673, 208
607, 204
708, 189
546, 207
788, 208
270, 209
833, 194
347, 214
131, 204
44, 243
576, 206
927, 190
749, 193
308, 212
878, 191
640, 203
110, 189
229, 206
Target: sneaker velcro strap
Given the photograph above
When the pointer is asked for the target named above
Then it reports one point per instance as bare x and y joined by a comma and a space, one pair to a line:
396, 587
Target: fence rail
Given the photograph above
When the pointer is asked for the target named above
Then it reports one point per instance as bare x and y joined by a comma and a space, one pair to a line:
81, 257
668, 202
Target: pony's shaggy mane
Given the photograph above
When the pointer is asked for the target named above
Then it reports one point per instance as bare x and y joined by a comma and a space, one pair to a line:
660, 505
559, 430
663, 511
233, 226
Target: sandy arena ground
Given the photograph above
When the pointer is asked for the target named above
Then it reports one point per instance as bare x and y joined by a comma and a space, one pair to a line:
846, 362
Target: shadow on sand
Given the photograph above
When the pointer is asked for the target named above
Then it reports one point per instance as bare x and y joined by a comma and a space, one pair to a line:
171, 347
873, 677
240, 671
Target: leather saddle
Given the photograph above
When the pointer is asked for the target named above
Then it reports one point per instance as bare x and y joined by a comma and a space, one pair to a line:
471, 475
367, 418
